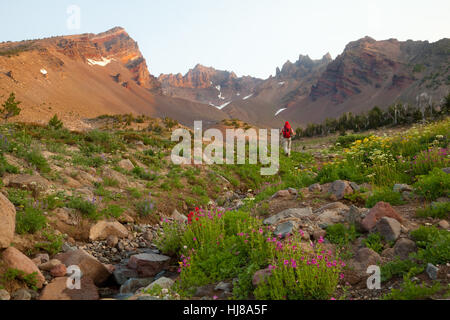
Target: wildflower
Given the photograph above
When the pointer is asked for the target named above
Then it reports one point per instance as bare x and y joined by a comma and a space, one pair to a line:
321, 240
342, 276
215, 297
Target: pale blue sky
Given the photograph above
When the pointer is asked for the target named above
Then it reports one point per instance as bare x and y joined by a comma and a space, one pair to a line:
250, 37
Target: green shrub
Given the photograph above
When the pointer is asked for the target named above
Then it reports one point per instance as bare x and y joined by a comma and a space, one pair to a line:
5, 167
440, 210
145, 207
341, 235
55, 123
53, 245
87, 208
374, 242
434, 185
411, 291
434, 245
400, 267
11, 274
386, 195
347, 140
113, 211
36, 158
30, 220
19, 197
144, 174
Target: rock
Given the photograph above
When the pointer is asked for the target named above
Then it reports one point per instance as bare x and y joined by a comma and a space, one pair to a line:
21, 294
224, 286
336, 206
293, 191
432, 271
181, 218
148, 235
446, 170
148, 264
355, 186
112, 241
90, 266
126, 164
402, 188
40, 259
114, 175
380, 210
59, 271
317, 234
125, 218
57, 290
444, 224
4, 295
103, 229
15, 259
260, 276
353, 216
404, 247
358, 266
8, 222
281, 194
330, 217
65, 215
297, 213
122, 274
34, 183
389, 228
163, 283
339, 189
388, 253
48, 266
284, 229
315, 188
134, 284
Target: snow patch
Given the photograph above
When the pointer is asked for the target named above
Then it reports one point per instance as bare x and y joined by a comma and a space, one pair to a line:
238, 94
248, 97
102, 63
281, 83
280, 111
221, 106
44, 72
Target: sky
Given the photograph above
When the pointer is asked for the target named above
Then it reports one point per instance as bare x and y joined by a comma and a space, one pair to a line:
249, 37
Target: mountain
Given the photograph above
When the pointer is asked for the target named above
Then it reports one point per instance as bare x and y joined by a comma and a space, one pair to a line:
209, 86
366, 74
84, 76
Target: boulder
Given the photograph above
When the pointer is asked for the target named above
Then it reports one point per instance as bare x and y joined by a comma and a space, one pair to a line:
49, 265
330, 217
112, 241
148, 264
181, 218
402, 188
358, 266
15, 259
90, 266
114, 175
4, 295
7, 222
444, 224
163, 283
281, 194
122, 274
59, 271
21, 294
285, 229
57, 290
432, 271
389, 228
34, 183
380, 210
315, 188
126, 164
260, 276
334, 206
339, 189
41, 258
404, 247
103, 229
133, 284
295, 213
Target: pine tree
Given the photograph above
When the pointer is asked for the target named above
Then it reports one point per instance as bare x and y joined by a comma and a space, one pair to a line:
55, 123
10, 107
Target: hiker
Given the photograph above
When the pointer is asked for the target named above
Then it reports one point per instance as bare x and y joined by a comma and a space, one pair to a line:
287, 134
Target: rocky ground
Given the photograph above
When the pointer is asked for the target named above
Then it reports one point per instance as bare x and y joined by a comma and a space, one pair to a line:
119, 257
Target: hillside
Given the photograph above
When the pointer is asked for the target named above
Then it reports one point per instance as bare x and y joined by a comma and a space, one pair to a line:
88, 75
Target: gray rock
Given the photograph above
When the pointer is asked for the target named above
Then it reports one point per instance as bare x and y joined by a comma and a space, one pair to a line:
402, 188
134, 284
148, 264
355, 186
284, 229
4, 295
223, 286
112, 241
293, 191
389, 228
122, 274
21, 294
339, 189
404, 247
315, 188
163, 282
297, 213
432, 271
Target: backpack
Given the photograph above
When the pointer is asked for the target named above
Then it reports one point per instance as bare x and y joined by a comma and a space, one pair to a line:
286, 133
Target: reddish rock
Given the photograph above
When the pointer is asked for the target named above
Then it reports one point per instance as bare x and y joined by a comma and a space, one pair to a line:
57, 290
148, 264
59, 271
15, 259
7, 222
90, 266
381, 209
260, 276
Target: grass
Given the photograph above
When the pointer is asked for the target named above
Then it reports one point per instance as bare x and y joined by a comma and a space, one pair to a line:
30, 220
385, 194
439, 210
